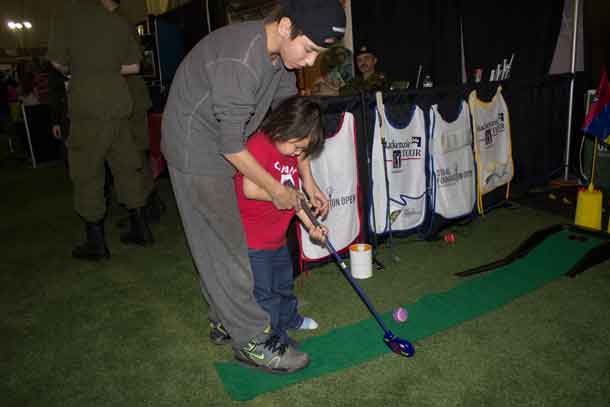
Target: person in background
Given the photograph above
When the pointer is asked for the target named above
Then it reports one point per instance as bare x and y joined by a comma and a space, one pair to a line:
4, 107
100, 107
368, 80
41, 80
27, 92
220, 94
58, 108
138, 123
335, 70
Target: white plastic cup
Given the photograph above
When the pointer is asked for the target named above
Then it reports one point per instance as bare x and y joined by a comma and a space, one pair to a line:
361, 260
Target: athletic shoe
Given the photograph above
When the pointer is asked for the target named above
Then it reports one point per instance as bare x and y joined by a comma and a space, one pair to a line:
308, 324
291, 342
266, 352
218, 334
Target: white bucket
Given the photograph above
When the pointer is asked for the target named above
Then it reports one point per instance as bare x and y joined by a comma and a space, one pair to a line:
361, 260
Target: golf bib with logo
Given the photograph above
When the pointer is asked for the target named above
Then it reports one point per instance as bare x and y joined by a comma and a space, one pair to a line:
451, 164
335, 171
398, 172
492, 143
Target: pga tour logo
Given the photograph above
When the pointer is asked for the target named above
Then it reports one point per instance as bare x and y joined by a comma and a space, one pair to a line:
396, 159
404, 150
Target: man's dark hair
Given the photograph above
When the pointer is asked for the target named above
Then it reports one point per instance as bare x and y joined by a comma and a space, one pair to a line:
276, 14
296, 118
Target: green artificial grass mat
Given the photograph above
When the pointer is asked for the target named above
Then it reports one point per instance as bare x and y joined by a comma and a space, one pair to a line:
133, 331
354, 344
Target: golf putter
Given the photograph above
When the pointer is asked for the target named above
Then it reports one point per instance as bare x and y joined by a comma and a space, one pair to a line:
398, 345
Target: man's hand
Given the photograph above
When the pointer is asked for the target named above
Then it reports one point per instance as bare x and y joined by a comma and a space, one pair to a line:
56, 130
133, 69
282, 197
286, 198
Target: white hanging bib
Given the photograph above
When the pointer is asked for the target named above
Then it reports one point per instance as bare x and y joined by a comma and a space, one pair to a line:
492, 141
335, 171
401, 205
452, 164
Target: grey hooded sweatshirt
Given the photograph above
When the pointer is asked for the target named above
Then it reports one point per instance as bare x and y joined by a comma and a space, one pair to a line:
219, 96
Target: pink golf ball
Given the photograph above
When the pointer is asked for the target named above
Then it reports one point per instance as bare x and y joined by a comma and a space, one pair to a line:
400, 314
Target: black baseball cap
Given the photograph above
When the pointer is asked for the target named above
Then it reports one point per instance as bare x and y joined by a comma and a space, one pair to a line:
322, 21
364, 50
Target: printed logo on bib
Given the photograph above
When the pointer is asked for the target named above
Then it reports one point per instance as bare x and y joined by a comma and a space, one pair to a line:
447, 177
404, 211
491, 130
396, 161
338, 201
401, 151
496, 172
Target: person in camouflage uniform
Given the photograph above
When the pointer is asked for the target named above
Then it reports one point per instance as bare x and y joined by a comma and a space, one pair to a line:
98, 48
138, 123
369, 79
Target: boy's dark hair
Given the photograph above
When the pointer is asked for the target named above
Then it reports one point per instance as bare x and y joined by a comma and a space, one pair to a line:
296, 118
276, 14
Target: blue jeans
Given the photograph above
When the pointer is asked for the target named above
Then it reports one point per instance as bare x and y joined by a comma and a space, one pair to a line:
273, 288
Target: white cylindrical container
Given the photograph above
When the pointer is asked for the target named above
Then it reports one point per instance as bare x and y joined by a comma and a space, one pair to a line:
361, 260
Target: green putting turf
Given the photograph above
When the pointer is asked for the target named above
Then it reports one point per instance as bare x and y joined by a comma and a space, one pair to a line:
470, 298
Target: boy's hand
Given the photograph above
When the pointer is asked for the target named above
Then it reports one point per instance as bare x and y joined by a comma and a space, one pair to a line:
318, 199
318, 234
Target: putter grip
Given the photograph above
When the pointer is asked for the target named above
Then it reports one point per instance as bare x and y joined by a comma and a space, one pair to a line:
310, 215
305, 207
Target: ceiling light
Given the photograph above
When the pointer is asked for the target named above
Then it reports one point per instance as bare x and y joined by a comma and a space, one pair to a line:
27, 24
19, 26
11, 25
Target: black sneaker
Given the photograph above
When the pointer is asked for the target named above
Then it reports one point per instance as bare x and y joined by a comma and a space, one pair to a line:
291, 342
218, 334
268, 353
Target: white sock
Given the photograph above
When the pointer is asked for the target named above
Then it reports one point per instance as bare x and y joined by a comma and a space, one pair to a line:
308, 324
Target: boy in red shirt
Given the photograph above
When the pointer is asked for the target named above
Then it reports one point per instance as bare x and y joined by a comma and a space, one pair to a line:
290, 133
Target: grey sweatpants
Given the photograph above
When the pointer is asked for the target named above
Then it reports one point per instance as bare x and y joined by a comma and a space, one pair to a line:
214, 231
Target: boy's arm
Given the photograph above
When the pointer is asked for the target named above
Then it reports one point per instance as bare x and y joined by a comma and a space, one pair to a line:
316, 233
317, 197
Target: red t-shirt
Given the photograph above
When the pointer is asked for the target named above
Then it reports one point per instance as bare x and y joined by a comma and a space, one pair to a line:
266, 226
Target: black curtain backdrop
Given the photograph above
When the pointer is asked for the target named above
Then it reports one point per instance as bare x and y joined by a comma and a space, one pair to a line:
191, 19
407, 33
526, 27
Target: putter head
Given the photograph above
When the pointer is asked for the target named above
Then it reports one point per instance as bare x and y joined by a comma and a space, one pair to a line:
399, 346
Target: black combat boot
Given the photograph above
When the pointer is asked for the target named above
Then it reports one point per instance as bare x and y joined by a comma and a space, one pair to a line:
94, 248
138, 233
152, 211
154, 208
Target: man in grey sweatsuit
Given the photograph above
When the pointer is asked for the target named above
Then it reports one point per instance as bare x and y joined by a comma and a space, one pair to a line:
219, 96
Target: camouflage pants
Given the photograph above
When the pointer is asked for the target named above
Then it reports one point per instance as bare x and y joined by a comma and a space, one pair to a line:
93, 142
138, 124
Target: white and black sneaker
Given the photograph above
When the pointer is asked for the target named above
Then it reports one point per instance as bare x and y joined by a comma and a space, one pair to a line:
268, 353
218, 334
